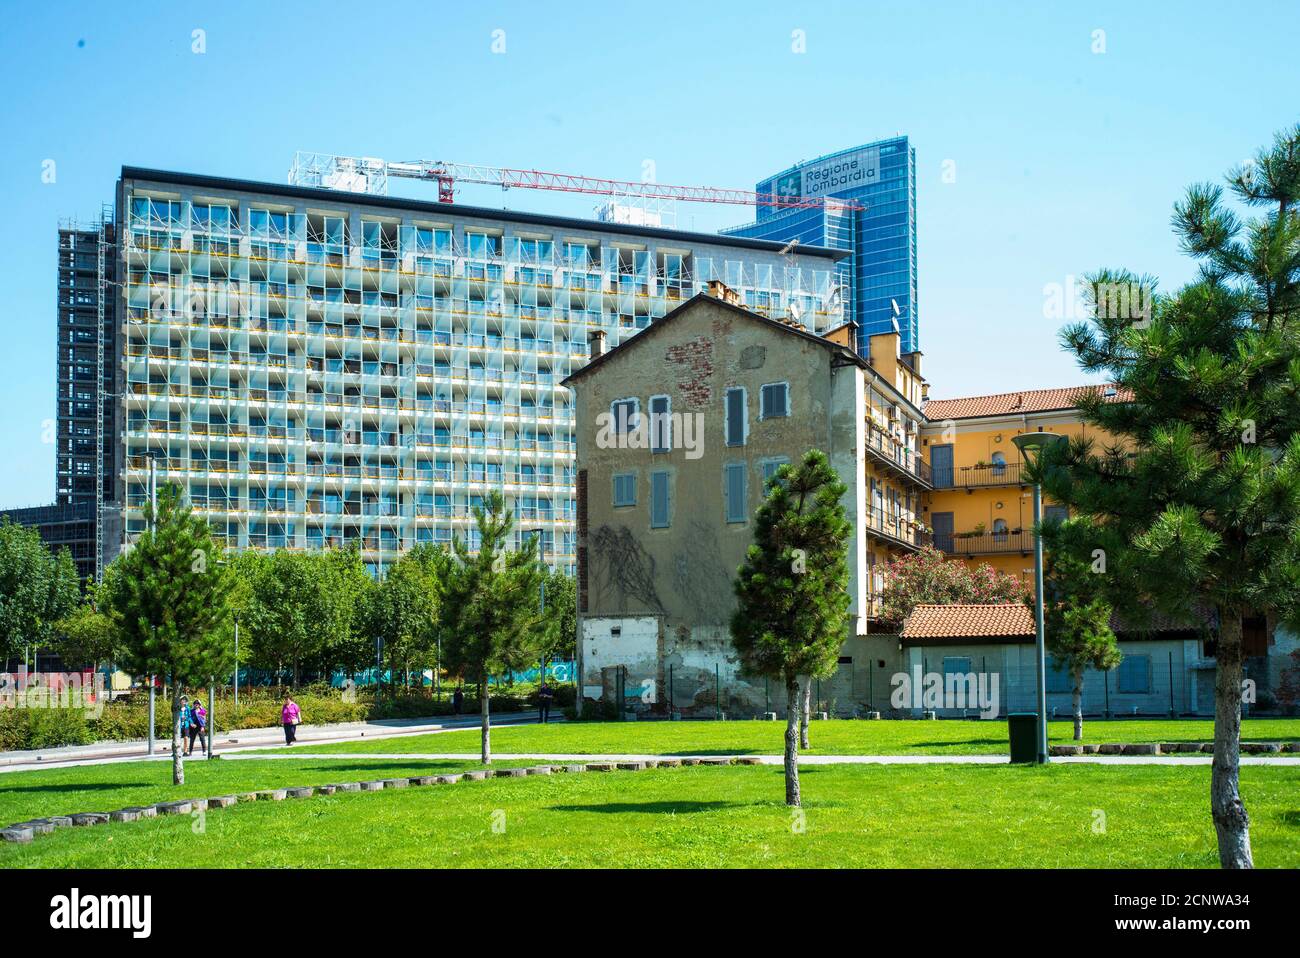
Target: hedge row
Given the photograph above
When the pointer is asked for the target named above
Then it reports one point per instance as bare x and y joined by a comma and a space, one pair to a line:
128, 718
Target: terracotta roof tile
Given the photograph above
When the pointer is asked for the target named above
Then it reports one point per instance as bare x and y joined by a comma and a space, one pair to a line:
968, 621
1003, 404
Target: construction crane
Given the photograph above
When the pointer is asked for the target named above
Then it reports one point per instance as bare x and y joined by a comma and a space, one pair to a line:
359, 174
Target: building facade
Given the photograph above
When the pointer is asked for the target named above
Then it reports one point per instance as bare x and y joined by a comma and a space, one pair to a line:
316, 367
724, 397
882, 236
980, 510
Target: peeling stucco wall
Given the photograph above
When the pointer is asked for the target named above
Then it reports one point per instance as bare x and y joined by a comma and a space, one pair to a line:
684, 574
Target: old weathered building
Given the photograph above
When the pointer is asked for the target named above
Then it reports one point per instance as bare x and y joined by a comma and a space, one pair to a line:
677, 430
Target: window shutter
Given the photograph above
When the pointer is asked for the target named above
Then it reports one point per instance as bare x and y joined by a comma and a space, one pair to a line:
659, 500
736, 417
737, 508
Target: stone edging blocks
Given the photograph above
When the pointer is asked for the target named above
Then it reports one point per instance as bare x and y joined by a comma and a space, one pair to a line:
25, 832
1160, 748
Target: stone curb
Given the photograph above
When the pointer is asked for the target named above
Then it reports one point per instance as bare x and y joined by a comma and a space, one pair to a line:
423, 780
396, 782
372, 786
20, 836
90, 818
307, 792
447, 779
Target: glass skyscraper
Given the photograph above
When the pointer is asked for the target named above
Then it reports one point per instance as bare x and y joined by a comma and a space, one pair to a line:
882, 237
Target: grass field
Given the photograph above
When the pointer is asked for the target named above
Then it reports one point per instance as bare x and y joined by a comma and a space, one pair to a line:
106, 788
855, 816
831, 737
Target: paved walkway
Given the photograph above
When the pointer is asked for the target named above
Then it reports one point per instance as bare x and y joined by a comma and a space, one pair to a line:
241, 740
571, 757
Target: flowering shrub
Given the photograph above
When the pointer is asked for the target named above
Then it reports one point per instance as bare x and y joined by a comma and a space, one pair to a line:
928, 577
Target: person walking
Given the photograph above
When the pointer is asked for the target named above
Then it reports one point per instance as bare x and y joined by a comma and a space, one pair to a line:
290, 717
545, 694
183, 720
198, 723
457, 700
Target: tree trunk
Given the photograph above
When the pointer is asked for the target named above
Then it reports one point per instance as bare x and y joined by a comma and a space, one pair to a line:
1230, 819
487, 727
1076, 697
803, 714
792, 741
178, 754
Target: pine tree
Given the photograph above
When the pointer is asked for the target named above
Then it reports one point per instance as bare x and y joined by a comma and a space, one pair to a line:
1076, 616
169, 598
1198, 505
490, 611
793, 589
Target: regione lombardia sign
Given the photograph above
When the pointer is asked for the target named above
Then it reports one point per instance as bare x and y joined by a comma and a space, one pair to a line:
835, 174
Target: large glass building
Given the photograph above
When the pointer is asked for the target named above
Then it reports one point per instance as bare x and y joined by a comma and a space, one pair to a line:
881, 271
315, 367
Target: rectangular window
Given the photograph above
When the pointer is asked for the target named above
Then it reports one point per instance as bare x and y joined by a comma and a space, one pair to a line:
659, 500
1135, 674
626, 414
956, 664
661, 425
736, 416
774, 401
771, 466
1058, 677
736, 492
625, 489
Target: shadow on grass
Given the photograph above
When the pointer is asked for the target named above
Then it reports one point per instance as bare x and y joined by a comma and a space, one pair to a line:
654, 808
77, 787
965, 741
1291, 818
383, 766
716, 751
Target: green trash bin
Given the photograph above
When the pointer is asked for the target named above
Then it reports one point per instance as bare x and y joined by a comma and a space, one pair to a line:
1022, 727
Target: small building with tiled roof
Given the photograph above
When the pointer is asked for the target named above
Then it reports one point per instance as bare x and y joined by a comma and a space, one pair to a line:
1165, 668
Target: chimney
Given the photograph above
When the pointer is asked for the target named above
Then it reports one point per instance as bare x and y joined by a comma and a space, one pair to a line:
720, 290
595, 344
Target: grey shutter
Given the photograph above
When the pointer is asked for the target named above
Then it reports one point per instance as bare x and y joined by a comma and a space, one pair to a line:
735, 417
737, 508
658, 500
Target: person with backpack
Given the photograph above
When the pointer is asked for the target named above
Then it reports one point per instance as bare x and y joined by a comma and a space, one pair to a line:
198, 724
290, 717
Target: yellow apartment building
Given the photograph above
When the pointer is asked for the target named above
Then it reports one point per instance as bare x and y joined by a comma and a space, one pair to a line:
981, 510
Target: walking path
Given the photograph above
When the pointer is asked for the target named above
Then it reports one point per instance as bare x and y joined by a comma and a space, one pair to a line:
240, 740
408, 757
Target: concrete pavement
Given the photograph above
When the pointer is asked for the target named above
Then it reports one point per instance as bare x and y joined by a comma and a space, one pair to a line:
777, 759
240, 740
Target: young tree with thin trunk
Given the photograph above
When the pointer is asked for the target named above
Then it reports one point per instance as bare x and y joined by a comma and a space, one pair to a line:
793, 588
37, 588
1198, 504
168, 596
490, 611
1077, 620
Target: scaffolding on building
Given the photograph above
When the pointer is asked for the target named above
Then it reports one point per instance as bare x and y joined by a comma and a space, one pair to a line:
309, 387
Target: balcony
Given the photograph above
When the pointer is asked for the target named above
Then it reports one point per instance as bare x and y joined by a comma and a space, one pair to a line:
885, 451
979, 476
897, 530
1019, 542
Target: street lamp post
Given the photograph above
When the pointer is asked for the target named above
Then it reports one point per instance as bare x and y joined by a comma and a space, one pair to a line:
1031, 446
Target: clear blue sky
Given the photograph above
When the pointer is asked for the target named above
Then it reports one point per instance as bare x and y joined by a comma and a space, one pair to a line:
1065, 159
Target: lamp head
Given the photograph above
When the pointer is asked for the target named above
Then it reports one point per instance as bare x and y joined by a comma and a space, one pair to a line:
1032, 444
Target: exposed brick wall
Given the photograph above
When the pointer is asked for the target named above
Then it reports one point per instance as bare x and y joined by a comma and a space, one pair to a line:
693, 362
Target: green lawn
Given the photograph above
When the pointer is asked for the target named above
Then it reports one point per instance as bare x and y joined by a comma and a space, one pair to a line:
106, 788
856, 816
832, 737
